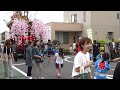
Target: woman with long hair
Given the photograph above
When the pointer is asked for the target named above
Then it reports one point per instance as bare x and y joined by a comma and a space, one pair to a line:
8, 63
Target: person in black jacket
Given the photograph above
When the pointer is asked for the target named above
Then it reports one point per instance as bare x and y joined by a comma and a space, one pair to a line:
96, 49
116, 74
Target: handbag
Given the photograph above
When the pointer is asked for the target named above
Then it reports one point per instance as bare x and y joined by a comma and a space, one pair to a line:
82, 74
5, 56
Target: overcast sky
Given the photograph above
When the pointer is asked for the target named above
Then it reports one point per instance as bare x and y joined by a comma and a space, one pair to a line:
45, 16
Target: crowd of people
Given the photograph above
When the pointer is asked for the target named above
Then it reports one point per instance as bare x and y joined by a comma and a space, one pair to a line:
86, 54
34, 57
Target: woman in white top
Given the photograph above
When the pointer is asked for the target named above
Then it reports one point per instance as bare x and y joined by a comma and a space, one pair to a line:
82, 60
74, 46
59, 61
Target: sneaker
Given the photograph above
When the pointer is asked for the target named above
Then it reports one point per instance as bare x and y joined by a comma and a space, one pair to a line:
33, 78
58, 76
10, 77
41, 77
30, 77
7, 78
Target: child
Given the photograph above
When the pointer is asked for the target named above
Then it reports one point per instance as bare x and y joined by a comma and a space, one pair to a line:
59, 61
100, 55
102, 66
42, 55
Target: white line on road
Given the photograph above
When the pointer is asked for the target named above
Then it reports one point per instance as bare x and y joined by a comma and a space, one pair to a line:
19, 64
109, 76
20, 71
23, 72
68, 60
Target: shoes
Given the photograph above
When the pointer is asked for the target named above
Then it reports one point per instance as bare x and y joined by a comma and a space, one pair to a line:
10, 77
7, 78
30, 77
41, 77
58, 76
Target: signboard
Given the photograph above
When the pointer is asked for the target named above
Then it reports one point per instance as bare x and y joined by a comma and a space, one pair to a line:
89, 33
48, 34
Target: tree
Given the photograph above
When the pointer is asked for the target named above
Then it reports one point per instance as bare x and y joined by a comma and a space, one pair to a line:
55, 42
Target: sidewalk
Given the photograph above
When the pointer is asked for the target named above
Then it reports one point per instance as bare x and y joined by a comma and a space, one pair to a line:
16, 74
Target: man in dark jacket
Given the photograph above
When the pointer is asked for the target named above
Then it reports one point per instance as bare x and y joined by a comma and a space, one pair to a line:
29, 57
96, 50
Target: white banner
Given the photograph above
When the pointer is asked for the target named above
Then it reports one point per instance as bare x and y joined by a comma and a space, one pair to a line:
89, 33
48, 34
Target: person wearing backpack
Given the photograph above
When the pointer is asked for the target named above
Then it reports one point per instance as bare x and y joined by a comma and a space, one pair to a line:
101, 67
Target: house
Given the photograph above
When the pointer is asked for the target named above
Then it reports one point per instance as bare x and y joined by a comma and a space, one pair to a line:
97, 25
103, 24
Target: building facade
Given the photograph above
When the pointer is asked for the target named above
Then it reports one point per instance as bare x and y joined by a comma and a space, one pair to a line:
3, 36
66, 33
104, 24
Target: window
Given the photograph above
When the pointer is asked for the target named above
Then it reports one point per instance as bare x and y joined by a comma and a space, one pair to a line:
110, 35
63, 37
74, 18
3, 36
84, 16
117, 15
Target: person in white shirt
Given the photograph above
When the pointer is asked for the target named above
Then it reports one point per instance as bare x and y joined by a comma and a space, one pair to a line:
59, 61
74, 46
71, 49
82, 59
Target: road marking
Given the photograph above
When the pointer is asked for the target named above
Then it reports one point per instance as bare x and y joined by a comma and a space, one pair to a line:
19, 64
112, 69
23, 72
20, 71
109, 76
68, 60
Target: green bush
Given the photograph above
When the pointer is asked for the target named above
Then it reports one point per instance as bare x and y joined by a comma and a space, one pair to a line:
102, 48
66, 51
103, 42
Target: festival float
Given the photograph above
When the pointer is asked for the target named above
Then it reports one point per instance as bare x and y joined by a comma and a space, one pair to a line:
22, 29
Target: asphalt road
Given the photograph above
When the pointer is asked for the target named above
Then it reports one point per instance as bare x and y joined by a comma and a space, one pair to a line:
49, 71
